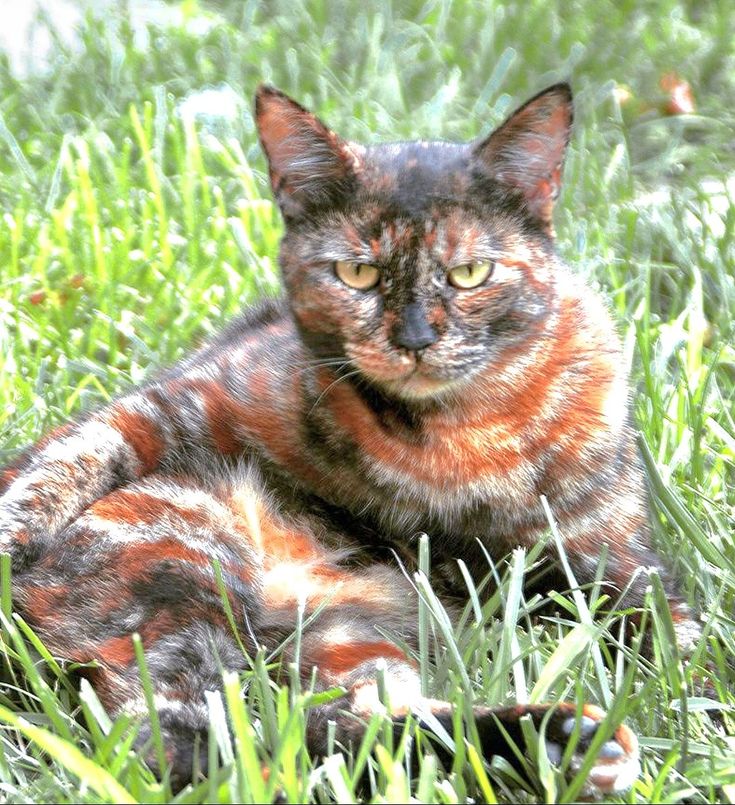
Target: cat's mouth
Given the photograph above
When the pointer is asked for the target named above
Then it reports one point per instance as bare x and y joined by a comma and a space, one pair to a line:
405, 375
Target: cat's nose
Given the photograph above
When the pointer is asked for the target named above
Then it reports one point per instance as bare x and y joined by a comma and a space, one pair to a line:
414, 331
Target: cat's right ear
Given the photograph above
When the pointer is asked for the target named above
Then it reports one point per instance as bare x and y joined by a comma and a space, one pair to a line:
309, 165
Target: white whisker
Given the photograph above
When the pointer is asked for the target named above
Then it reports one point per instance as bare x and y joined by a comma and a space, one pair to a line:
331, 385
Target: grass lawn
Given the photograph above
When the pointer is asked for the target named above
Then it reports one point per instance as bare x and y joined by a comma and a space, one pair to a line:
136, 219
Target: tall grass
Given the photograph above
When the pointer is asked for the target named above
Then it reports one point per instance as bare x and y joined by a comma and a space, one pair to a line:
132, 229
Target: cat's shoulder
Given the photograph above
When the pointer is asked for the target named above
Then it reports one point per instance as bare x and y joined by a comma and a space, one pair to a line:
270, 313
264, 323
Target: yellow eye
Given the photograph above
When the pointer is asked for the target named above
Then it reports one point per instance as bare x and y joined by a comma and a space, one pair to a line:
361, 276
470, 275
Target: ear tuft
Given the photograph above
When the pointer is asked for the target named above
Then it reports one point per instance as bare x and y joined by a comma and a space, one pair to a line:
309, 164
527, 151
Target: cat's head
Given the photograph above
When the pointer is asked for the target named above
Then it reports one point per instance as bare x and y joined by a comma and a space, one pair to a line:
420, 264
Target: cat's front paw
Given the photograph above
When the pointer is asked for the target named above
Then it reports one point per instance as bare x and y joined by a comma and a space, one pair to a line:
616, 766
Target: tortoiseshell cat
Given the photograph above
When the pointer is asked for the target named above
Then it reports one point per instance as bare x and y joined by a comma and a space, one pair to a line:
433, 367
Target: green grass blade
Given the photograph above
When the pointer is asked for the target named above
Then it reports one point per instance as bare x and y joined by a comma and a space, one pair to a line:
67, 755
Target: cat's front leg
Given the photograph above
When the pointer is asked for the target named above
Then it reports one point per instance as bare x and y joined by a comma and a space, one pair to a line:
356, 665
347, 650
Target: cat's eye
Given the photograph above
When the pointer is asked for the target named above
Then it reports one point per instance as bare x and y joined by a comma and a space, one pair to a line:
470, 275
361, 276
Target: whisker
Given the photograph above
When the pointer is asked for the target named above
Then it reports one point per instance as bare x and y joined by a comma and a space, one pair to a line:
320, 363
316, 362
331, 385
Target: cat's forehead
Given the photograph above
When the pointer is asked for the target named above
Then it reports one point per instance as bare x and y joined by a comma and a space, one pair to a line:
426, 156
415, 175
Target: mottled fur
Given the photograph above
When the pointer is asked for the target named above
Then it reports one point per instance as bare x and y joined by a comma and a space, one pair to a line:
321, 432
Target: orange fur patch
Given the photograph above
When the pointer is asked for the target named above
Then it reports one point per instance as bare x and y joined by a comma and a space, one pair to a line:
142, 434
139, 508
341, 658
116, 651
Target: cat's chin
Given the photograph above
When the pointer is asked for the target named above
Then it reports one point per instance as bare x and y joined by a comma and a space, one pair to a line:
418, 386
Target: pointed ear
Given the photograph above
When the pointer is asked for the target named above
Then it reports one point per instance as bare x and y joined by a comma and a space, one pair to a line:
309, 164
527, 151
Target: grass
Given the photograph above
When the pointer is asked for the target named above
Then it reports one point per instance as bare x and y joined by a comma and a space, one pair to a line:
131, 231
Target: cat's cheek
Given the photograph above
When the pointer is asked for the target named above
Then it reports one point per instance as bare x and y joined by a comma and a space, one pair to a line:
312, 319
360, 315
316, 307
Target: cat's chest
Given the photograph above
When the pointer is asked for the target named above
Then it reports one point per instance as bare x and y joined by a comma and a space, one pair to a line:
440, 470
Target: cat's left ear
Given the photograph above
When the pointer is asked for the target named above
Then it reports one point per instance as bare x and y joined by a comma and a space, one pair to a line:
527, 151
309, 164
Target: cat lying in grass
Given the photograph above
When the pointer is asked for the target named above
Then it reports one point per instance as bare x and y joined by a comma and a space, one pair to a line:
433, 366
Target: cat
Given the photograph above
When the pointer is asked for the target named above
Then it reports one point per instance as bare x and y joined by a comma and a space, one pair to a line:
433, 366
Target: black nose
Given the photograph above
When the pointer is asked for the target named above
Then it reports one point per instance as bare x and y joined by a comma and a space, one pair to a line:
414, 331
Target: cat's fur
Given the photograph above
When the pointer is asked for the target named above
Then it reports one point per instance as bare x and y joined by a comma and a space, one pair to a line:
320, 433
